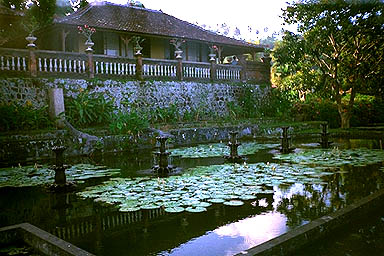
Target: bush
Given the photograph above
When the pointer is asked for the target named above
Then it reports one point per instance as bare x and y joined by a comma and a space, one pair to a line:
88, 109
367, 110
18, 117
317, 109
131, 123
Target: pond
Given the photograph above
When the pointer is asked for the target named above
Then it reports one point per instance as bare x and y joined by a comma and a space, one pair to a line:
211, 207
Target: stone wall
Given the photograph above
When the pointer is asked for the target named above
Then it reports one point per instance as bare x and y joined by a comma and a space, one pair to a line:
125, 94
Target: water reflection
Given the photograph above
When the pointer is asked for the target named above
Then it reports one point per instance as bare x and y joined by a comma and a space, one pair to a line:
222, 230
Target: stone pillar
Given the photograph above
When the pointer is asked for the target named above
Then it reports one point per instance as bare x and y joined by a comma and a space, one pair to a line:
179, 69
243, 64
32, 63
56, 106
139, 65
267, 61
90, 66
212, 59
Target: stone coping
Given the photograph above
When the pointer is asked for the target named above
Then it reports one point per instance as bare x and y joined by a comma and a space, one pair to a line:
293, 240
40, 240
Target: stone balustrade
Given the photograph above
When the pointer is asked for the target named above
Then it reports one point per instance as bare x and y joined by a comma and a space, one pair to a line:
42, 63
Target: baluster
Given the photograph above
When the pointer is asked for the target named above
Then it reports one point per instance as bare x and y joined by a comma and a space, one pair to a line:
79, 66
132, 68
151, 70
102, 67
24, 64
2, 63
49, 65
55, 64
106, 68
60, 65
74, 67
69, 65
7, 63
96, 67
65, 66
111, 68
44, 65
115, 68
166, 70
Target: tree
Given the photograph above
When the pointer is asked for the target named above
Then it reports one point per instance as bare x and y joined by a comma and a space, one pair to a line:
340, 43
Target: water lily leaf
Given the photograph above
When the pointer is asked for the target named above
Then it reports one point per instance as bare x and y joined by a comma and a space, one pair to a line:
234, 203
174, 209
216, 200
195, 209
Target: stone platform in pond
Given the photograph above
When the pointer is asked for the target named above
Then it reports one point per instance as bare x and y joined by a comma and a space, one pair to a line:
41, 241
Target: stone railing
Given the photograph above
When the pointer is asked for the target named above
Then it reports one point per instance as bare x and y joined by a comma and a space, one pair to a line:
228, 72
196, 70
155, 68
114, 66
14, 60
51, 63
41, 63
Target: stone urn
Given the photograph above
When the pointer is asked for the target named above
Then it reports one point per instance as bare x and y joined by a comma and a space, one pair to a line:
31, 39
212, 56
89, 45
178, 54
137, 50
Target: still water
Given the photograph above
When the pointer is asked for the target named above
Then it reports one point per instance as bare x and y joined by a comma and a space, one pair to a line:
100, 228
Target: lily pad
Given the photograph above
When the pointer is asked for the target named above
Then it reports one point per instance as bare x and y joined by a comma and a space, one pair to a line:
174, 209
23, 176
219, 150
196, 209
234, 203
334, 157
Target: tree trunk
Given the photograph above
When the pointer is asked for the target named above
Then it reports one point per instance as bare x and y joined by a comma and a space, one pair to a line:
345, 119
346, 112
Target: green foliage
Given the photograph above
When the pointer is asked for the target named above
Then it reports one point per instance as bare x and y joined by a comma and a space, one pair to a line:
16, 117
88, 109
168, 114
339, 52
131, 123
317, 109
366, 110
43, 11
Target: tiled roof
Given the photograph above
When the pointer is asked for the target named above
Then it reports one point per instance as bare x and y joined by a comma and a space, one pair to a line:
145, 21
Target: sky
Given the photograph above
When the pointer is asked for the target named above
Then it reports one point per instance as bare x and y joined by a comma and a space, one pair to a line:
258, 14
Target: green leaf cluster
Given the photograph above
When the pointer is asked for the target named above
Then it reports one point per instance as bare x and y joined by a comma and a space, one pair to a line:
339, 51
88, 109
131, 123
16, 117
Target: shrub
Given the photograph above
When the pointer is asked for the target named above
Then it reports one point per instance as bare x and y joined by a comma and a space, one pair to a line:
317, 109
131, 123
24, 117
168, 114
88, 109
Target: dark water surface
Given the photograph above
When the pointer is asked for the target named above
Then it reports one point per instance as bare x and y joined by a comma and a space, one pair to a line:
221, 230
